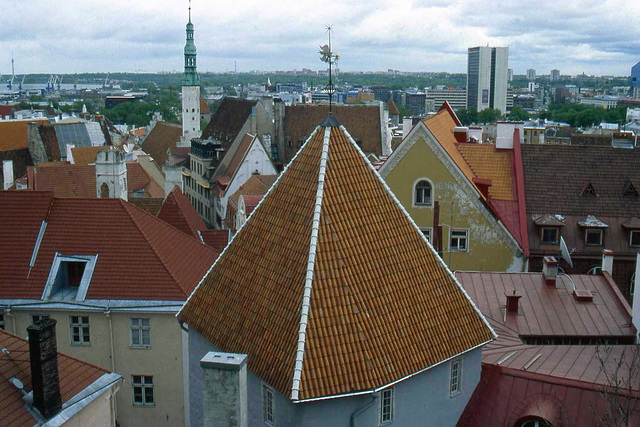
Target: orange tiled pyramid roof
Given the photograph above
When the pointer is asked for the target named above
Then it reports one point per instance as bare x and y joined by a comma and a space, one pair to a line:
329, 287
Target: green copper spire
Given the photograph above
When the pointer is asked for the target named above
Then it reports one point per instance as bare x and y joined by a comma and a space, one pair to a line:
191, 77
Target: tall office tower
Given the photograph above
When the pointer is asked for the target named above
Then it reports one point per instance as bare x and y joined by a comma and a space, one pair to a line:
487, 77
635, 80
555, 75
531, 74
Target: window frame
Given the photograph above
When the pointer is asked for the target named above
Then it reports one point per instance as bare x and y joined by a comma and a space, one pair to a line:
138, 329
631, 234
144, 386
80, 323
556, 230
588, 231
427, 232
268, 404
387, 411
457, 379
465, 237
414, 193
36, 317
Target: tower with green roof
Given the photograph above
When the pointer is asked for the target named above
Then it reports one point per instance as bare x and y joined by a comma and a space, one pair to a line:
190, 89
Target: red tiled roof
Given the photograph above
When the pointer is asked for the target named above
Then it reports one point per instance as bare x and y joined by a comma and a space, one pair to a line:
139, 256
86, 155
382, 304
75, 375
13, 134
162, 137
217, 239
204, 107
180, 213
393, 110
8, 110
150, 206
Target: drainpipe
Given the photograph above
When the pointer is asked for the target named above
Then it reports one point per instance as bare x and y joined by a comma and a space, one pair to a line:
7, 311
113, 358
357, 413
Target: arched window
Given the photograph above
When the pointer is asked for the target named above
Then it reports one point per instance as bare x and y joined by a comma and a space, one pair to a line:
423, 193
104, 191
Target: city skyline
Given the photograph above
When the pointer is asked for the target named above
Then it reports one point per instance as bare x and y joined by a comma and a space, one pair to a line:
147, 36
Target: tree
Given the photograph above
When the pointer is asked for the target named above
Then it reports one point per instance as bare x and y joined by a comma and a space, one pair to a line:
402, 110
489, 115
518, 115
467, 116
621, 370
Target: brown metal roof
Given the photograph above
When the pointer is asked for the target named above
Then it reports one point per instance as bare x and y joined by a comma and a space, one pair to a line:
551, 311
382, 304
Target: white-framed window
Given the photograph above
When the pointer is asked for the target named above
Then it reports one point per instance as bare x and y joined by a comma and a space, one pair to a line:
422, 193
550, 235
142, 390
455, 380
38, 317
427, 232
140, 332
79, 328
386, 406
267, 404
634, 238
459, 240
593, 237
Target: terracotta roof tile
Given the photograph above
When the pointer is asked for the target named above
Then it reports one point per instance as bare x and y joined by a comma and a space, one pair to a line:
180, 213
13, 134
162, 137
139, 256
488, 163
75, 376
204, 107
150, 206
393, 110
86, 155
383, 305
217, 239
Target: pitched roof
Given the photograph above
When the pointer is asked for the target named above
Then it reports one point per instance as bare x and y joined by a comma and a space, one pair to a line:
139, 256
393, 110
180, 213
162, 137
75, 375
204, 107
149, 205
233, 158
551, 310
79, 134
227, 121
13, 134
217, 239
379, 305
488, 163
8, 109
363, 122
86, 155
79, 181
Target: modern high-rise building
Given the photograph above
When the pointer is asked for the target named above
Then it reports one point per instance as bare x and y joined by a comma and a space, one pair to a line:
555, 75
531, 74
510, 74
487, 77
635, 80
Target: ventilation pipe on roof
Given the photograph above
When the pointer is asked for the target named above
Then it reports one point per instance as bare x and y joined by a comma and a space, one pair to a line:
7, 173
224, 389
512, 302
607, 261
44, 367
550, 270
635, 306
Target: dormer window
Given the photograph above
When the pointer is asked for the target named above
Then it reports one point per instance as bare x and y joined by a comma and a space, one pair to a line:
550, 235
69, 277
589, 191
629, 190
593, 237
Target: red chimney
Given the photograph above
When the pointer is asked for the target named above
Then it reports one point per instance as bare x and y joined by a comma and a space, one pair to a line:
512, 302
460, 133
550, 270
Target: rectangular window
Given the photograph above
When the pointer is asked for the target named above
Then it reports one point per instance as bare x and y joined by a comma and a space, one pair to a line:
459, 240
456, 377
550, 235
427, 233
593, 237
2, 321
140, 332
267, 404
38, 317
142, 388
386, 406
634, 238
79, 326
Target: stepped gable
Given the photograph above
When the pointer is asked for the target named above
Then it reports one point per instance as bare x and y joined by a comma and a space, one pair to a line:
329, 263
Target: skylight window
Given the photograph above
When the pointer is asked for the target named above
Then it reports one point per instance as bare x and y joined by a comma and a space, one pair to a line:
69, 277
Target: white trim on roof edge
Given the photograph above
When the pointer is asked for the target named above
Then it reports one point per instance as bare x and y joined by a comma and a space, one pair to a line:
311, 261
415, 226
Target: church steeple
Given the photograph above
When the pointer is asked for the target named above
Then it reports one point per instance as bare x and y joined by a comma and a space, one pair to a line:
191, 77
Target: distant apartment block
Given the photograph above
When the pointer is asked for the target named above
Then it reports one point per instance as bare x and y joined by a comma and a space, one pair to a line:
604, 101
531, 74
487, 77
415, 102
381, 93
456, 97
298, 87
555, 75
635, 80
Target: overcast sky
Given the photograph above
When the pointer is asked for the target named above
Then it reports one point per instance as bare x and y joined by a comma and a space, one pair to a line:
600, 37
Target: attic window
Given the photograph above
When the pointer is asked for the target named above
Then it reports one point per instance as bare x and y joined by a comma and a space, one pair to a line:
593, 237
550, 235
630, 190
69, 277
589, 191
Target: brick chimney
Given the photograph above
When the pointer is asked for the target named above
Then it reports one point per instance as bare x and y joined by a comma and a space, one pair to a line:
550, 270
460, 133
224, 389
475, 133
607, 261
44, 367
512, 301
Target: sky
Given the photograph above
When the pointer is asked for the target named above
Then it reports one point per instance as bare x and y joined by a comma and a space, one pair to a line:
595, 37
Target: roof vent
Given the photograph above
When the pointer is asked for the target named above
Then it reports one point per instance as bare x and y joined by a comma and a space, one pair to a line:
550, 270
512, 302
583, 295
589, 191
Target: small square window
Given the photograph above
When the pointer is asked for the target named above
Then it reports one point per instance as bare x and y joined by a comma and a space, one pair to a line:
386, 406
79, 329
267, 404
550, 235
593, 237
140, 332
634, 238
427, 233
456, 377
142, 389
38, 317
459, 240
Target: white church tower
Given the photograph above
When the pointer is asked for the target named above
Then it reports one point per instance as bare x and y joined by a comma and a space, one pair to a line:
111, 175
190, 90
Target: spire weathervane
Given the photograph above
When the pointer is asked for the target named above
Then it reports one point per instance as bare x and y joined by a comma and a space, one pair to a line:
328, 56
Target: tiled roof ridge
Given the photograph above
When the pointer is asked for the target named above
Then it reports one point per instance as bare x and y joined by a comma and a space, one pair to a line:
415, 226
308, 281
178, 201
127, 207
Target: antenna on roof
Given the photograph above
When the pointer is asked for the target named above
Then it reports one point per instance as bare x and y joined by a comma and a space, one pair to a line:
328, 56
